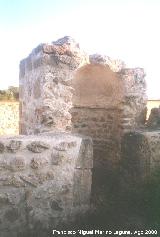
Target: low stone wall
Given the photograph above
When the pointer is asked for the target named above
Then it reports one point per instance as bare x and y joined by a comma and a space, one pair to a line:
45, 181
9, 117
140, 154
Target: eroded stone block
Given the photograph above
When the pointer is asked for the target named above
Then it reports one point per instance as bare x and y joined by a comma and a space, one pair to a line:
14, 146
45, 176
29, 180
38, 146
140, 154
38, 162
63, 146
17, 163
11, 181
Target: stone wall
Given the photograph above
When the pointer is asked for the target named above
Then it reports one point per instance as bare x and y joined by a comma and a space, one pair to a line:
59, 80
140, 154
45, 181
9, 117
135, 98
97, 111
61, 88
104, 128
45, 86
108, 100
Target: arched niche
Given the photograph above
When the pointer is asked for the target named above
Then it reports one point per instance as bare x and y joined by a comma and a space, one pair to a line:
97, 110
96, 85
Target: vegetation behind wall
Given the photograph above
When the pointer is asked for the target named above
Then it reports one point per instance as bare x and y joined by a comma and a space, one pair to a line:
11, 94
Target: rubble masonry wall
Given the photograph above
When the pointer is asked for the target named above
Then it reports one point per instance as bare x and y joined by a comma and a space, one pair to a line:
61, 88
45, 180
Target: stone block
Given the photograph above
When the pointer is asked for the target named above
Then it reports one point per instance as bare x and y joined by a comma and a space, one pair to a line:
40, 181
17, 163
140, 154
38, 162
14, 146
38, 147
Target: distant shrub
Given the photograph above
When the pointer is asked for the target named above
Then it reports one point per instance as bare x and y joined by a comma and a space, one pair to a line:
11, 94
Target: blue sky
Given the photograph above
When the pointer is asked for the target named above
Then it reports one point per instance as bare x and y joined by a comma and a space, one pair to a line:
124, 29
